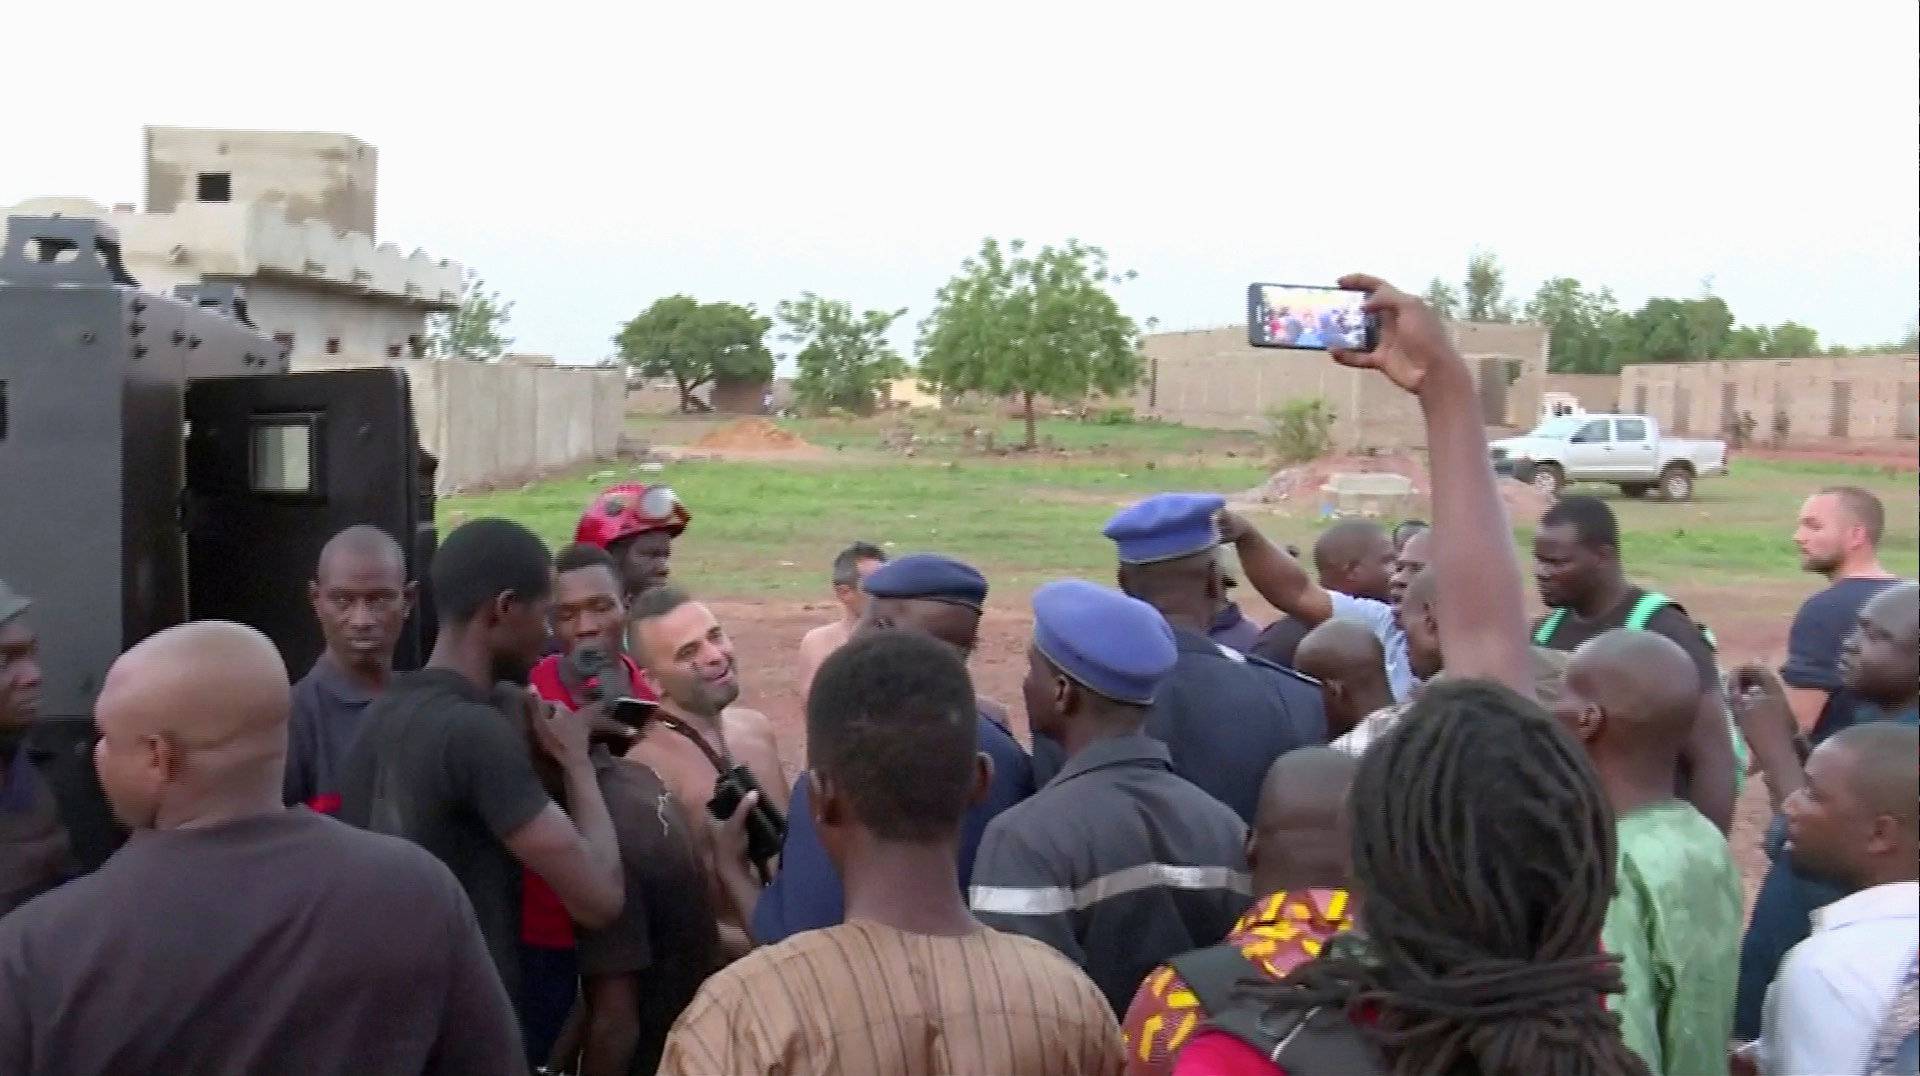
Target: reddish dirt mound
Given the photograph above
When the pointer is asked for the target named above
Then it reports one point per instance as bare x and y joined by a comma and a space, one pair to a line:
751, 435
1304, 480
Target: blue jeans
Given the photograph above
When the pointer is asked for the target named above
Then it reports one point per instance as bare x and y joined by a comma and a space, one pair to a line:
1782, 919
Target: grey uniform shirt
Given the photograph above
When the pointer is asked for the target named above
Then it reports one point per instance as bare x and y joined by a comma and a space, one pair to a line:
1117, 863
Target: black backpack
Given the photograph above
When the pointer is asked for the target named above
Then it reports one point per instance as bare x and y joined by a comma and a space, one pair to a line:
1310, 1042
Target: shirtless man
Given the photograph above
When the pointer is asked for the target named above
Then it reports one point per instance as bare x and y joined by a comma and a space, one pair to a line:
850, 569
687, 659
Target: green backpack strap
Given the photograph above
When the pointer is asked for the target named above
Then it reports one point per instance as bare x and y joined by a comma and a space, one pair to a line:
1549, 626
1652, 602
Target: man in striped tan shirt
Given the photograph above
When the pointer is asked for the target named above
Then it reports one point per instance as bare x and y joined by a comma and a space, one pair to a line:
910, 983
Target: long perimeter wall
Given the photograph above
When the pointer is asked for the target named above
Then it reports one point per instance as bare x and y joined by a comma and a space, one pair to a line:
497, 423
1852, 398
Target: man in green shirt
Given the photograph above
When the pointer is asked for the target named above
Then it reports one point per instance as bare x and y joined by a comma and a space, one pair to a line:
1631, 698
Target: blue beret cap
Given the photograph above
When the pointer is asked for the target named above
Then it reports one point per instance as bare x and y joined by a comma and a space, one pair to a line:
1166, 526
1113, 645
931, 577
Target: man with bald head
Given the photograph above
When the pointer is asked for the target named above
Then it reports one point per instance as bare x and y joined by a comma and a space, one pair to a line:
231, 934
1879, 668
1351, 665
1298, 851
1354, 558
1845, 997
1631, 698
361, 597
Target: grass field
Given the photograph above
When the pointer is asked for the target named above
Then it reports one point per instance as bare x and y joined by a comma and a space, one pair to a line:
767, 528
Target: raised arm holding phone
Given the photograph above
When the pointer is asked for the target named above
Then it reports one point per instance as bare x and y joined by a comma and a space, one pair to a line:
1481, 612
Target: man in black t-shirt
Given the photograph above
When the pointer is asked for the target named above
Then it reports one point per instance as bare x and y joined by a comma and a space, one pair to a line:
233, 934
438, 764
1576, 555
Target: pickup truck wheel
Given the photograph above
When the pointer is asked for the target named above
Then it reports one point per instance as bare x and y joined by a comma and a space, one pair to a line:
1636, 489
1548, 478
1676, 483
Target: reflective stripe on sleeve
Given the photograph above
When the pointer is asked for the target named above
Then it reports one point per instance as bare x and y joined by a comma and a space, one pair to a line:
1052, 900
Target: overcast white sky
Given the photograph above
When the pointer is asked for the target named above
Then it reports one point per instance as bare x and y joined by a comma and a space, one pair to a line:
590, 160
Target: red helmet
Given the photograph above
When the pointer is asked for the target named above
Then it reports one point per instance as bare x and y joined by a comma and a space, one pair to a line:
629, 509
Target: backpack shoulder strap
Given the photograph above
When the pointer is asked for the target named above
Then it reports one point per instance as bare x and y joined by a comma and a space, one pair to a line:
1212, 973
1313, 1042
1549, 626
1650, 603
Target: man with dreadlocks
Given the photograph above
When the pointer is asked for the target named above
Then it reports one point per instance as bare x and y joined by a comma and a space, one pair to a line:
1484, 860
1482, 870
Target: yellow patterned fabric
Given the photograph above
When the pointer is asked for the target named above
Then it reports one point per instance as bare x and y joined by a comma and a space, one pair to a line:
1278, 934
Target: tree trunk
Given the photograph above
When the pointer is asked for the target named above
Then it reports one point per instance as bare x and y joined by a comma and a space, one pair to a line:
1033, 441
686, 394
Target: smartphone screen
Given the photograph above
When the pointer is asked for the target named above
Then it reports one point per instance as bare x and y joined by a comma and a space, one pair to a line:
1308, 318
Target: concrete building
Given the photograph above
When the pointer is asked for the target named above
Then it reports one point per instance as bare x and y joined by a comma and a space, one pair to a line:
289, 217
1213, 377
1790, 401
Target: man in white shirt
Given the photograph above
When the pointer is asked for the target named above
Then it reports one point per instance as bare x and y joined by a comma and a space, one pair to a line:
1856, 823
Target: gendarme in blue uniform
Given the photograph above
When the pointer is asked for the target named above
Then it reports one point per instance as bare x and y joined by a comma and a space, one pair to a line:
1223, 716
807, 894
1117, 862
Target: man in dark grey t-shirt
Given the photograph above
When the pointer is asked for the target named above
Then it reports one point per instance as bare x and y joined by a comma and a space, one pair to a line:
232, 934
361, 598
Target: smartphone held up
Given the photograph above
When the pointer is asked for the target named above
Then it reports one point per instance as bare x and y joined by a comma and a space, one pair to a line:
1309, 318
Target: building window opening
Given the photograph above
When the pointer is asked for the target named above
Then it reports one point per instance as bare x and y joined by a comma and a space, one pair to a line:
216, 186
333, 345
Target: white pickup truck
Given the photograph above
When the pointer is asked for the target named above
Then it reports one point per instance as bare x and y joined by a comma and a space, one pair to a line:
1622, 450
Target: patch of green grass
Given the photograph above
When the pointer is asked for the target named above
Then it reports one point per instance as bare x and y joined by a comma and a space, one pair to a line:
763, 528
942, 433
770, 527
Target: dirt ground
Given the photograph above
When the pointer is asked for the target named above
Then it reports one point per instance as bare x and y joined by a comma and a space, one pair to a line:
1751, 624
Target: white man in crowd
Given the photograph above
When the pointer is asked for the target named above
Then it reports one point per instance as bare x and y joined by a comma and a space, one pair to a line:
850, 568
688, 663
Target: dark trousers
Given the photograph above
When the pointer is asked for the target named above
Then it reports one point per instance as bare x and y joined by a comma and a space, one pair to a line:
1782, 919
549, 981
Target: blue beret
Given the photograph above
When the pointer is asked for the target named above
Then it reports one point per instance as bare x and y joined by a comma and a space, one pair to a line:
931, 577
1166, 526
1113, 645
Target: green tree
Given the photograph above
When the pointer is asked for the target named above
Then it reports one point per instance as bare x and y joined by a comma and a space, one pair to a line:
694, 343
1041, 324
1483, 292
1444, 300
843, 360
473, 331
1677, 330
1583, 326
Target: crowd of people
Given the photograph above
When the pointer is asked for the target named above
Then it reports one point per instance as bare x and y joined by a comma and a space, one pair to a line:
1398, 830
